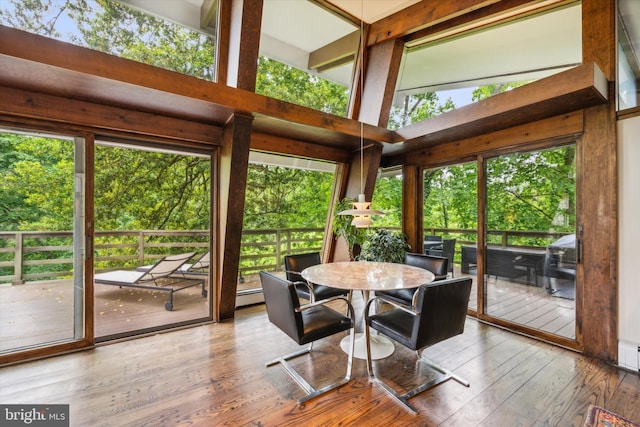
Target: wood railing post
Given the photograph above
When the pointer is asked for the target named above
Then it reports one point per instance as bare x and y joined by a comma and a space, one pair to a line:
17, 261
141, 248
278, 250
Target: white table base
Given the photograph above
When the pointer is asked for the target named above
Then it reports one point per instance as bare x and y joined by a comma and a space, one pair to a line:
381, 347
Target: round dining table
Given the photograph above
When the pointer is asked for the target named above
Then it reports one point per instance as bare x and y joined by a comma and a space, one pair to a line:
367, 276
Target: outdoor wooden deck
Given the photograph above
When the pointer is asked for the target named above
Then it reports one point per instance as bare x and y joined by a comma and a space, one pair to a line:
40, 312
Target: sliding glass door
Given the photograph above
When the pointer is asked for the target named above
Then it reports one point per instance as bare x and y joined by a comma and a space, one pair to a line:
42, 241
530, 251
152, 204
451, 218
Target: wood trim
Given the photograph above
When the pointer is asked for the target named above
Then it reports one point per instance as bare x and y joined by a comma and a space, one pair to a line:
215, 273
482, 236
330, 243
42, 352
336, 53
493, 14
628, 113
223, 40
89, 229
524, 330
38, 64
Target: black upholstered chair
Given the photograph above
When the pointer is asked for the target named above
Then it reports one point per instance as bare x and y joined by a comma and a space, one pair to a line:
305, 324
294, 264
439, 313
437, 265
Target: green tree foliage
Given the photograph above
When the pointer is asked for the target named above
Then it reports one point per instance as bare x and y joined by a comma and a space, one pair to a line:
450, 197
387, 197
417, 107
144, 38
286, 83
145, 190
484, 92
279, 197
39, 16
114, 28
532, 191
36, 192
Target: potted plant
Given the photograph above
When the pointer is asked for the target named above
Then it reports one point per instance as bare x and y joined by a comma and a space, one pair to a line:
385, 246
353, 236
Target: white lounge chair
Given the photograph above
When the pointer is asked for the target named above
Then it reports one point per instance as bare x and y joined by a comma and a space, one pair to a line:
165, 275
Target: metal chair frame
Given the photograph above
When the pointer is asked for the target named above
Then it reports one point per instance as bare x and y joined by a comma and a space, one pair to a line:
312, 392
403, 397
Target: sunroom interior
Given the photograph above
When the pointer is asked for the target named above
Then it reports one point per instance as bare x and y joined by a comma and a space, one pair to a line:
381, 54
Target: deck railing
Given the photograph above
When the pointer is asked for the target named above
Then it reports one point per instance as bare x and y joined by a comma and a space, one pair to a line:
31, 255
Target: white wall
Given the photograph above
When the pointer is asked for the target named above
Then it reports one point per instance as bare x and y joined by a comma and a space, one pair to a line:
629, 234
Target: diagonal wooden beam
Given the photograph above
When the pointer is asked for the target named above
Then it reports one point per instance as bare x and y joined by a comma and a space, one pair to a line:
335, 54
421, 15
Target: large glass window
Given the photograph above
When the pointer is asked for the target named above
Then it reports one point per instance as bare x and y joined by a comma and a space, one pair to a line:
307, 55
165, 34
440, 75
286, 207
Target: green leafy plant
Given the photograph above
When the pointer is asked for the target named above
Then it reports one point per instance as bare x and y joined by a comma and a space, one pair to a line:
385, 246
342, 227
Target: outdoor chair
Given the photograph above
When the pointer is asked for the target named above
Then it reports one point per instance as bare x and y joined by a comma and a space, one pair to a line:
201, 263
305, 324
165, 275
294, 264
435, 264
439, 313
447, 250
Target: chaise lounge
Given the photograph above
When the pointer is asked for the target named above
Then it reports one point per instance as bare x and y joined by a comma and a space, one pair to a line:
165, 275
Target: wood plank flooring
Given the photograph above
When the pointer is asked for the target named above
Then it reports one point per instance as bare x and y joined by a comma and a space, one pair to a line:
215, 375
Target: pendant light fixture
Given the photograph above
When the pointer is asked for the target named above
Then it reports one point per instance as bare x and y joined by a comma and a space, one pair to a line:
361, 209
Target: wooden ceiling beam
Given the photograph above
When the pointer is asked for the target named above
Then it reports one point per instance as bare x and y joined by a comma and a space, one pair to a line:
335, 54
39, 64
293, 147
109, 119
421, 15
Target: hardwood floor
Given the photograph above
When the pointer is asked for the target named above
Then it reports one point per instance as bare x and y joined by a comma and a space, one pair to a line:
215, 375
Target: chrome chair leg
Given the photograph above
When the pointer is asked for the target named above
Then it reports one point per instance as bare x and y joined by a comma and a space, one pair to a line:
310, 391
